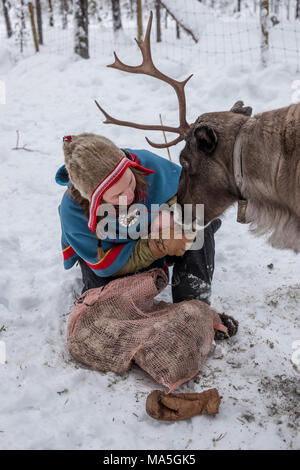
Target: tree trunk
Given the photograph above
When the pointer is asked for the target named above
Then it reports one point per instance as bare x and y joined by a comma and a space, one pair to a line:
158, 25
7, 19
298, 9
131, 9
22, 26
288, 4
139, 17
39, 20
81, 28
64, 13
34, 33
177, 30
51, 18
116, 13
180, 23
264, 17
238, 5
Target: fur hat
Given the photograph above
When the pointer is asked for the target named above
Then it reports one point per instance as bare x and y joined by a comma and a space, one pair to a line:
89, 158
94, 164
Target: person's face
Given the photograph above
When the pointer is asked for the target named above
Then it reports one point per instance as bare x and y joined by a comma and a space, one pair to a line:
123, 188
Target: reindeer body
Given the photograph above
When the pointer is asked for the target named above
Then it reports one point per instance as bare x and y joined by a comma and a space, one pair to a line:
230, 156
270, 162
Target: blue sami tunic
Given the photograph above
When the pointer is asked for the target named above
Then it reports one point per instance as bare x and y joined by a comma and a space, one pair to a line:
80, 242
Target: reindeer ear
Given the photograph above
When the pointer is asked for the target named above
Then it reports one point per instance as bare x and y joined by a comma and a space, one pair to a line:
206, 138
239, 108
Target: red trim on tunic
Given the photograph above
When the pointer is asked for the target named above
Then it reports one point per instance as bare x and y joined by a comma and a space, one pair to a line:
108, 258
68, 252
108, 182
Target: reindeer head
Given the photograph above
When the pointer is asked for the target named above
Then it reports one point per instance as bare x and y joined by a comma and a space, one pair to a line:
207, 175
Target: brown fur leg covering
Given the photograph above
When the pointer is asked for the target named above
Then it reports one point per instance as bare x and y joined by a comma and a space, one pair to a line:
232, 327
177, 406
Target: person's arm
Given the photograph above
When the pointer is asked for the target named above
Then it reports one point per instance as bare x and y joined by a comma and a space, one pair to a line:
141, 256
80, 242
114, 255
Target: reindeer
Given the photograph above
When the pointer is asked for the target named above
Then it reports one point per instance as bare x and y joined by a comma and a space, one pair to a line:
232, 157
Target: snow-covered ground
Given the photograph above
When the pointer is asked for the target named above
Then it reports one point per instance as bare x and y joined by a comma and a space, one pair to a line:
47, 400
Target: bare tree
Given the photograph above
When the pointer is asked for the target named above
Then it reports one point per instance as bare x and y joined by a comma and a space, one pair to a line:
64, 8
288, 5
131, 9
276, 7
116, 13
178, 21
177, 30
264, 16
298, 9
158, 25
20, 25
39, 20
7, 18
33, 27
139, 16
81, 28
50, 10
94, 7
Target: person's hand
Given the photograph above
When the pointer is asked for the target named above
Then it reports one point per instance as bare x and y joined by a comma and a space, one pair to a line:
170, 241
163, 220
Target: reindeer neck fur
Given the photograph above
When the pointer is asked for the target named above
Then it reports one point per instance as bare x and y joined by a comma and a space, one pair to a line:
270, 155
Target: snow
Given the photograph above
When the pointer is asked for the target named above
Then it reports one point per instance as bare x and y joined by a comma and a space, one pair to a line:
47, 400
194, 18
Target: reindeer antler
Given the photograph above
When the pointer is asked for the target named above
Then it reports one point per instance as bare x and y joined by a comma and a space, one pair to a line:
148, 68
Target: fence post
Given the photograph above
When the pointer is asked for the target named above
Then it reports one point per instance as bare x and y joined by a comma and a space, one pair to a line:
264, 23
139, 17
34, 34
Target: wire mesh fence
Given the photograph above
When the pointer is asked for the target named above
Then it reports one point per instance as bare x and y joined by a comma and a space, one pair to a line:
192, 31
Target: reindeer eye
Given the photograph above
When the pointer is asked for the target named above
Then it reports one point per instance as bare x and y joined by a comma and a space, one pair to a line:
185, 164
